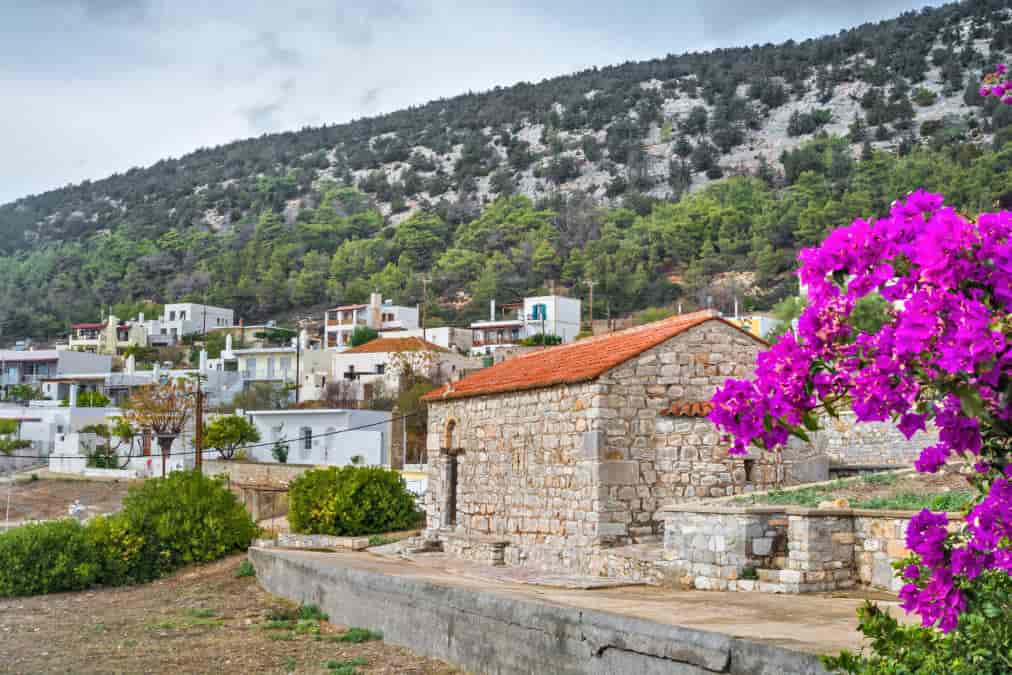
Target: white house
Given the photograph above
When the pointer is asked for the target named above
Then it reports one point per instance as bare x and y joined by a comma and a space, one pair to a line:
32, 367
446, 337
383, 361
341, 322
186, 318
109, 337
330, 437
545, 314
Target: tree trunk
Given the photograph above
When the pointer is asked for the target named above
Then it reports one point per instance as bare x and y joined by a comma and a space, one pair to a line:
165, 444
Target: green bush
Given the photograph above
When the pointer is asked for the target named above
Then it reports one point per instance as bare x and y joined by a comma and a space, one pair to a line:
47, 558
165, 523
187, 517
980, 645
350, 501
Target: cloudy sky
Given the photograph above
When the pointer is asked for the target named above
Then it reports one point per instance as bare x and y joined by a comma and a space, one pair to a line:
91, 87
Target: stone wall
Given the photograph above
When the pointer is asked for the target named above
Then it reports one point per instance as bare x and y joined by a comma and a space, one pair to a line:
255, 472
784, 549
848, 441
522, 473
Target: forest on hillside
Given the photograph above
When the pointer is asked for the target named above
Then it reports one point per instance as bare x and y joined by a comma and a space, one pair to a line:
651, 253
292, 222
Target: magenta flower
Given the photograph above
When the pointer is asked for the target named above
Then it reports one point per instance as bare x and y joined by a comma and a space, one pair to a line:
943, 357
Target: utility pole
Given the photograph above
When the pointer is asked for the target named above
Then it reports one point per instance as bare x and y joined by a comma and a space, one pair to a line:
589, 283
425, 297
298, 354
198, 440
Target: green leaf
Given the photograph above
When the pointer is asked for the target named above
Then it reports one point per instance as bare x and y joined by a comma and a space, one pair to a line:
810, 421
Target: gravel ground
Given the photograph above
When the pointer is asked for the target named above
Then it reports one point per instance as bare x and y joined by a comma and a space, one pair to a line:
201, 620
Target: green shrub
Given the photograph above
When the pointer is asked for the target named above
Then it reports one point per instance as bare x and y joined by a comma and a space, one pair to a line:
165, 523
186, 518
350, 501
245, 569
980, 645
47, 558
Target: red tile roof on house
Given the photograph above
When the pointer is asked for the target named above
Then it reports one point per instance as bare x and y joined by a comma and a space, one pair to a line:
395, 344
577, 362
347, 308
688, 409
84, 326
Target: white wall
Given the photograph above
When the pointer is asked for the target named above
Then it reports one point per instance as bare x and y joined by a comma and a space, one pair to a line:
372, 443
71, 362
562, 316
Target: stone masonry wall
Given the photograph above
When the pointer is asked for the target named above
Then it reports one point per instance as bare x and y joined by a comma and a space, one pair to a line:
681, 458
848, 441
522, 474
710, 548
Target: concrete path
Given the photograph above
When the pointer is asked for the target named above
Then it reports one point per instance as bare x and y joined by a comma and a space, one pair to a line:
813, 623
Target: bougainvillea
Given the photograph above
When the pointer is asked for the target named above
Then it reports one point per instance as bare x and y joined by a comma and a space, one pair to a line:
997, 84
944, 355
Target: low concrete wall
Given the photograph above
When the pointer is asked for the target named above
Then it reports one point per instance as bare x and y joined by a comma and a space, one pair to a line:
488, 633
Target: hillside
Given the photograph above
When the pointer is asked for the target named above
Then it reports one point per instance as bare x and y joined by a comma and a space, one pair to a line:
603, 174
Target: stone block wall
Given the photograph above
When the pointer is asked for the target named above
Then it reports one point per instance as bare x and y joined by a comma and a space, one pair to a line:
710, 547
710, 551
525, 472
879, 541
848, 441
669, 457
254, 472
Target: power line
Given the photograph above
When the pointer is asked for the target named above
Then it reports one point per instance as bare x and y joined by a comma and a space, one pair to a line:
254, 445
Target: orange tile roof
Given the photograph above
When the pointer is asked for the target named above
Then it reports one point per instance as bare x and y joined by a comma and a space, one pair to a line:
395, 344
688, 409
569, 364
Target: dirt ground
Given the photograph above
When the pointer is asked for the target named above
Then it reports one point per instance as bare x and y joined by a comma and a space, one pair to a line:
51, 498
201, 620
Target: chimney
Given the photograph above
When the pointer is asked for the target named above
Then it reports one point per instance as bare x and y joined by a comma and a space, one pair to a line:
140, 317
375, 309
491, 309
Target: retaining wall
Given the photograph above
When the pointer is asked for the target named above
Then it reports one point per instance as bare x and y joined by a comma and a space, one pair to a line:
789, 549
483, 632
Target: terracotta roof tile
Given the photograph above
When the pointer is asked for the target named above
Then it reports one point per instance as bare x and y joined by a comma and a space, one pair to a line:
568, 364
688, 409
395, 344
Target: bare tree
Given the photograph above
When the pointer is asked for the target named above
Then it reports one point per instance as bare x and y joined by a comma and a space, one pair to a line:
164, 409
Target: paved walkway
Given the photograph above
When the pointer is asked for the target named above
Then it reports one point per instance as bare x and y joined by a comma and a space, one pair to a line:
814, 623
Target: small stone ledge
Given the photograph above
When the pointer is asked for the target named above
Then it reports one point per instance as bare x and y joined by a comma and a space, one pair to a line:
320, 541
673, 510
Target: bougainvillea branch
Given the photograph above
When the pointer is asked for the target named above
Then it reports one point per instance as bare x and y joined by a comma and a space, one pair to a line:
943, 355
997, 84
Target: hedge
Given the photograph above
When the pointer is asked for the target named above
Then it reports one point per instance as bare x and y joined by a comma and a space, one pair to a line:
350, 501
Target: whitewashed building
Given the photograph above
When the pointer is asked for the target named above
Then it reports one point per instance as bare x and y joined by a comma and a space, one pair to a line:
545, 314
332, 437
186, 318
383, 362
341, 322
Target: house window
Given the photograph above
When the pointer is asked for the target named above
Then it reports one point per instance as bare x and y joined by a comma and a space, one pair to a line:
172, 316
286, 364
182, 316
251, 367
307, 438
381, 368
